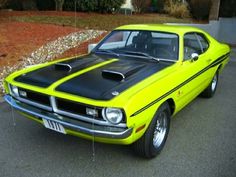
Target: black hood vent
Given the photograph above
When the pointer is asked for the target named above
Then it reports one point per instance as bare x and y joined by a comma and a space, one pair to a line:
72, 65
121, 71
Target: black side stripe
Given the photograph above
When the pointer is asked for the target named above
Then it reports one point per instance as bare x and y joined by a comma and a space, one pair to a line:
215, 63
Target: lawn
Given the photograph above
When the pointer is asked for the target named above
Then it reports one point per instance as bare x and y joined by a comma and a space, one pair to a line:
98, 21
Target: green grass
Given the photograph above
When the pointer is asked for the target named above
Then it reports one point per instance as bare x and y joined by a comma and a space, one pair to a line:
99, 21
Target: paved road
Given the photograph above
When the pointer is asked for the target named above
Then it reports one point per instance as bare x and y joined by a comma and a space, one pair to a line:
201, 143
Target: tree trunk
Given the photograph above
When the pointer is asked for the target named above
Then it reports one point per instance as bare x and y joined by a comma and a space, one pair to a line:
214, 11
59, 5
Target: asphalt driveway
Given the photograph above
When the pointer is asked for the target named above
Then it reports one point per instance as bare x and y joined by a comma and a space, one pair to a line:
202, 142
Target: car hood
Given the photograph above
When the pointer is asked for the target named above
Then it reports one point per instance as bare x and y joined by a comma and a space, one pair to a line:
102, 82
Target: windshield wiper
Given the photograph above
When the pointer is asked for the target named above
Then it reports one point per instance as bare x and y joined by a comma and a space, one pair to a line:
107, 51
141, 54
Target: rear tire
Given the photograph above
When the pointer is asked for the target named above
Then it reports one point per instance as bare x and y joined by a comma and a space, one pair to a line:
153, 140
211, 89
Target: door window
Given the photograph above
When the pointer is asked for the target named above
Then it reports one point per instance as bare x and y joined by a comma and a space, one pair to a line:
194, 43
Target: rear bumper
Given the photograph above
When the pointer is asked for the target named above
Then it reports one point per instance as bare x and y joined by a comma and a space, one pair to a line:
79, 128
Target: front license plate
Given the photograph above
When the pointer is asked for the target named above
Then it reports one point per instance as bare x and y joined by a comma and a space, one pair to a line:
54, 126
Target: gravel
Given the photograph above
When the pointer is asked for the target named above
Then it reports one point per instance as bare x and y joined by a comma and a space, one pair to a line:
49, 52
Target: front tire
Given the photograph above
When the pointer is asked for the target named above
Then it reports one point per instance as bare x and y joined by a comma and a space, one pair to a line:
211, 89
153, 140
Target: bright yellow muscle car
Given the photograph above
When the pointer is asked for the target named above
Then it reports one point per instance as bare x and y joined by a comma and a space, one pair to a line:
126, 90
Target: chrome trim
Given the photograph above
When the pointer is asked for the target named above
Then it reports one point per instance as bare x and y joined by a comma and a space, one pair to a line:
53, 103
63, 64
50, 116
9, 87
114, 72
80, 117
55, 109
33, 103
91, 120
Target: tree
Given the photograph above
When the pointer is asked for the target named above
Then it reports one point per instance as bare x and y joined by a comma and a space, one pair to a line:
59, 5
140, 6
214, 11
3, 3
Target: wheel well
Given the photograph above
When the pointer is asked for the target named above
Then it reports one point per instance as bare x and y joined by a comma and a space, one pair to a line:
171, 103
219, 68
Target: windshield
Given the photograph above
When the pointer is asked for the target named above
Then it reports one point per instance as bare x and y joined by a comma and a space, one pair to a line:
159, 45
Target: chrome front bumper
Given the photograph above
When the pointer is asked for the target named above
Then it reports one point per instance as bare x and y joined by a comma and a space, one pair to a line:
71, 124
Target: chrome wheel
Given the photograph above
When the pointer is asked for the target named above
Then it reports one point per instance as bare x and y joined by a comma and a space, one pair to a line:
214, 83
160, 130
153, 140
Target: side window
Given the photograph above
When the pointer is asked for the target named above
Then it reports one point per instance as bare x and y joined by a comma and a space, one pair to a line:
191, 45
203, 41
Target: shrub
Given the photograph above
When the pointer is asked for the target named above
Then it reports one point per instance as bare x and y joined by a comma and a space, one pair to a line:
160, 6
177, 9
227, 8
200, 9
103, 6
87, 5
106, 6
2, 3
45, 4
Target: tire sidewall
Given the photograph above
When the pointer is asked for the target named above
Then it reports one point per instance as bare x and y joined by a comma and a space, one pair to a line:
217, 78
163, 108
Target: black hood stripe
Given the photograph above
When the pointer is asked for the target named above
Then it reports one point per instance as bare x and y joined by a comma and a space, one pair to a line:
215, 63
46, 76
94, 85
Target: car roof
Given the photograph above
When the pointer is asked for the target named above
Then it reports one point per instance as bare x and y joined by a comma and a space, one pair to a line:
179, 29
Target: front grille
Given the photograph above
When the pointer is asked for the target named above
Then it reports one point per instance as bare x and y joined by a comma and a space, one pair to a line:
35, 97
76, 108
70, 109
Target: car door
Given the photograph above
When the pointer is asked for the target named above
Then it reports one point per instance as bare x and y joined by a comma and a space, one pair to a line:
193, 73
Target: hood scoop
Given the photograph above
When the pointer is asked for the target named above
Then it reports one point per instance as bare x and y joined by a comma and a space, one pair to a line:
63, 67
121, 71
76, 64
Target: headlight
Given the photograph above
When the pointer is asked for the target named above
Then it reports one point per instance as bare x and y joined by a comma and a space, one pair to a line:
113, 115
14, 90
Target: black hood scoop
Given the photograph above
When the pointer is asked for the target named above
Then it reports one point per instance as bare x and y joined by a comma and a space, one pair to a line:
74, 65
121, 71
63, 67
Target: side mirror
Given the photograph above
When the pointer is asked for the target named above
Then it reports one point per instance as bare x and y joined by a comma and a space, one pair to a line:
194, 56
91, 47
